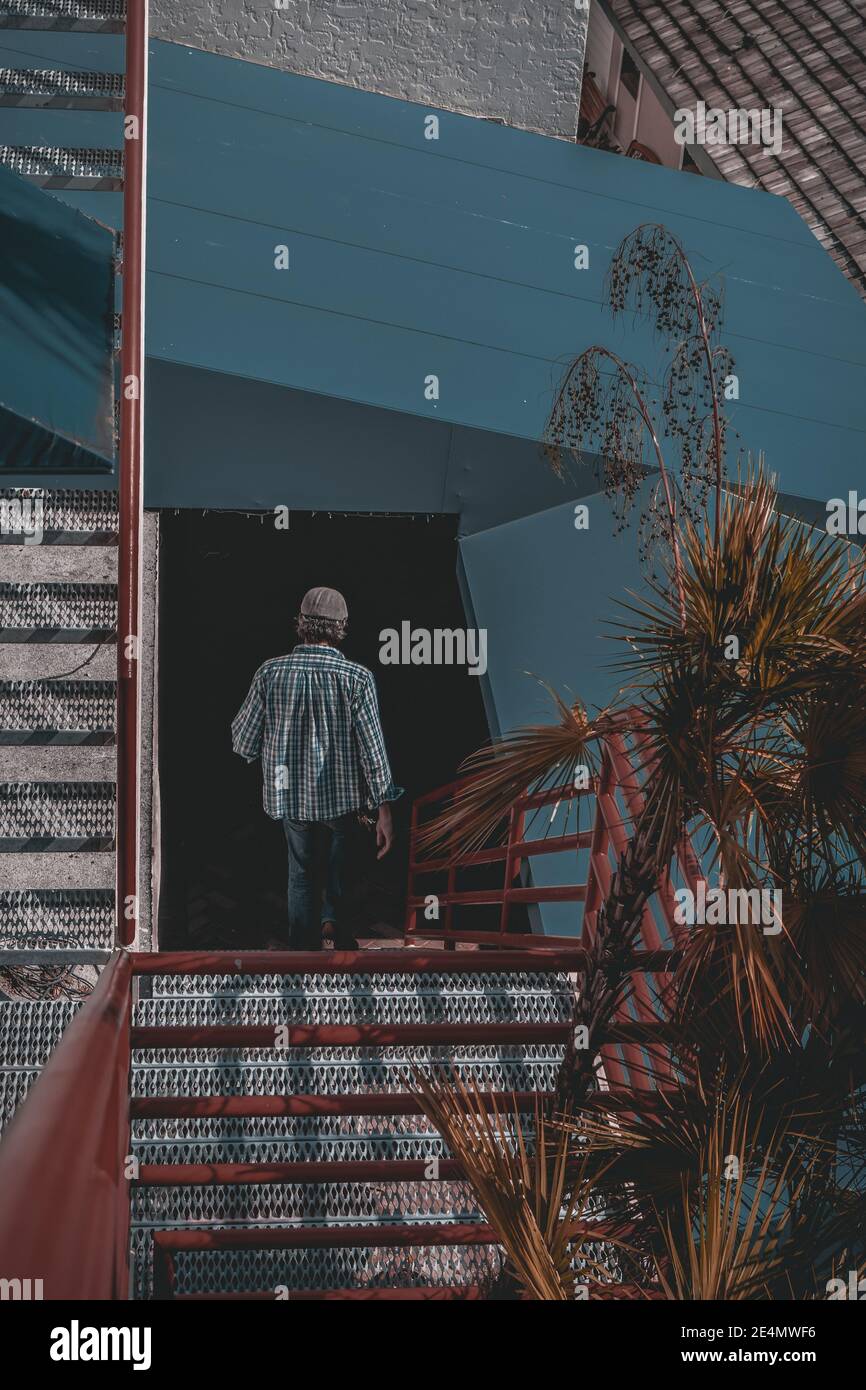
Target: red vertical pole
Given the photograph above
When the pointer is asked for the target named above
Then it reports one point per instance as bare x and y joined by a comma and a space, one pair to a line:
516, 822
130, 473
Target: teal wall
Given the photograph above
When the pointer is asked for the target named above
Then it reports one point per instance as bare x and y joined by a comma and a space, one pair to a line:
56, 335
412, 257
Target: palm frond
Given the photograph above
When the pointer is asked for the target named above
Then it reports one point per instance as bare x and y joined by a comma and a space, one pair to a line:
524, 1182
528, 759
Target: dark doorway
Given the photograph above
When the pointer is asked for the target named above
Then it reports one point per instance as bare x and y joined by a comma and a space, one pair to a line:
230, 587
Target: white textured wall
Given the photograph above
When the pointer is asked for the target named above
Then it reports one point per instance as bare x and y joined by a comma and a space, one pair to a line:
518, 61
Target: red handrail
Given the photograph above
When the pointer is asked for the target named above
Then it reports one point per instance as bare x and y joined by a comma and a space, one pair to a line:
130, 495
619, 777
66, 1149
69, 1141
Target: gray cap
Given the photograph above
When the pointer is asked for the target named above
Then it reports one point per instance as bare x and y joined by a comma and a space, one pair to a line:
324, 603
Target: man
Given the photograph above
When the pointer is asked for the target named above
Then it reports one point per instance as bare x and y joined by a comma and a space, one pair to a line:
313, 718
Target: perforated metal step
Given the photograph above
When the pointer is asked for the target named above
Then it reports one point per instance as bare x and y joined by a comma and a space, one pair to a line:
209, 1000
58, 516
57, 712
336, 1071
391, 1204
273, 1271
53, 166
304, 1204
57, 612
281, 1139
52, 816
46, 919
88, 16
29, 1033
65, 89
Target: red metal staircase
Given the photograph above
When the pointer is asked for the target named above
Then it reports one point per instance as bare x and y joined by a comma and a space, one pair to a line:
250, 1130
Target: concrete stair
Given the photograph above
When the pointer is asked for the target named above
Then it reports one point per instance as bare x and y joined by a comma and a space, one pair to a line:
57, 729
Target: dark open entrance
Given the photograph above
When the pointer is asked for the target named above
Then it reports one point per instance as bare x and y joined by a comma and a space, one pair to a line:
230, 586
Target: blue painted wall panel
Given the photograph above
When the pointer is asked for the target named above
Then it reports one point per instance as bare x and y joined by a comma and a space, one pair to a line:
412, 257
546, 594
269, 446
452, 257
56, 336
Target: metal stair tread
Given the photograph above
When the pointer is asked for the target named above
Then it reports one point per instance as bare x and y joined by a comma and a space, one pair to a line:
60, 712
58, 166
87, 16
62, 88
66, 516
324, 1183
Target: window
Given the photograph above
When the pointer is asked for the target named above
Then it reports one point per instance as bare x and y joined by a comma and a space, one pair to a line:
628, 74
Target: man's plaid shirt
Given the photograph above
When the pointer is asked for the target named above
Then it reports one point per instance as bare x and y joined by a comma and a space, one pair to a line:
313, 718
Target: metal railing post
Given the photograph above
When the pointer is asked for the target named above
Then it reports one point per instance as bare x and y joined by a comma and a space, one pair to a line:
130, 497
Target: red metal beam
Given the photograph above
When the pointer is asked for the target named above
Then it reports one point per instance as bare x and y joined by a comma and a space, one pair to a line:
495, 855
552, 844
654, 962
537, 945
556, 794
371, 1103
442, 1293
168, 1244
394, 1235
360, 1170
494, 896
408, 960
64, 1198
130, 474
564, 893
351, 1035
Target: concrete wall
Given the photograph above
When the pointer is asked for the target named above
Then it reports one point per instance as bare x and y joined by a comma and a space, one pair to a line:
518, 61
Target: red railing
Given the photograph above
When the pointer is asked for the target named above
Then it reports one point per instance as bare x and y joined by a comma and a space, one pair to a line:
618, 802
64, 1203
511, 855
130, 492
65, 1168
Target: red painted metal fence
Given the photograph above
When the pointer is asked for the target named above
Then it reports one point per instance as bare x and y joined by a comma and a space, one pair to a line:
130, 474
615, 801
65, 1176
64, 1204
64, 1182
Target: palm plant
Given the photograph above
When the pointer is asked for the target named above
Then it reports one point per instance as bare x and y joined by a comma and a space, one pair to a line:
742, 673
536, 1199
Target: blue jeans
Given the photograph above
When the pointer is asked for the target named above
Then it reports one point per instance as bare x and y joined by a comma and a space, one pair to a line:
318, 861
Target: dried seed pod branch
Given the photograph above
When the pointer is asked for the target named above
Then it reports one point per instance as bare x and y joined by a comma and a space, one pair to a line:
608, 415
651, 275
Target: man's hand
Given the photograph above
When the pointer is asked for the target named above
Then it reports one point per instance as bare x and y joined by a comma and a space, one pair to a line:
384, 830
